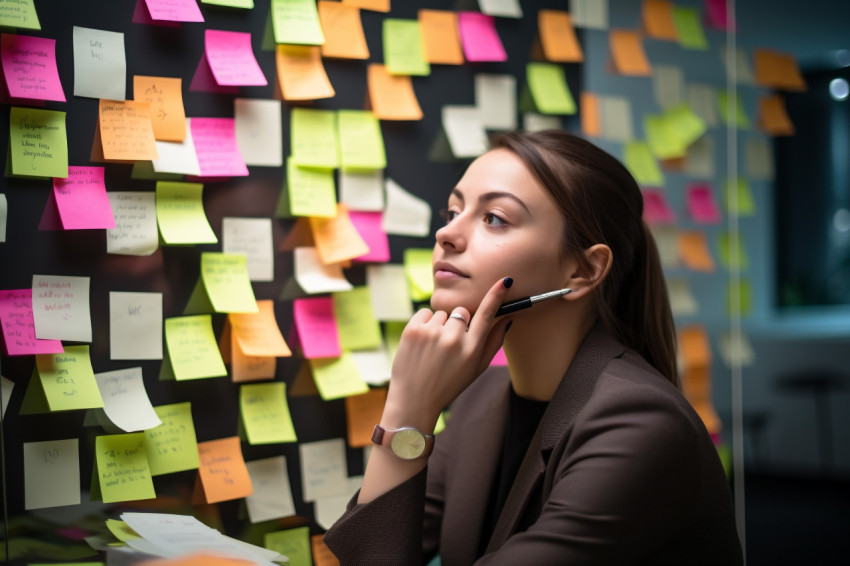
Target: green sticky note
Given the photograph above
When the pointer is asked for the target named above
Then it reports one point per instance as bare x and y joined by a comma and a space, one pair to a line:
19, 14
68, 379
38, 142
355, 319
312, 192
688, 28
192, 347
684, 123
247, 4
292, 543
227, 282
314, 138
441, 423
642, 164
662, 139
734, 115
265, 413
738, 197
392, 336
361, 141
337, 377
403, 53
549, 89
726, 244
417, 268
180, 214
744, 298
296, 21
121, 530
173, 445
122, 467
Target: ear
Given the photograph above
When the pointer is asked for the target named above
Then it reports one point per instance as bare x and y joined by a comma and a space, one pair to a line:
584, 279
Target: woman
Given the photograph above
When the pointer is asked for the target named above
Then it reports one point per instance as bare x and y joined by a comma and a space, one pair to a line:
584, 451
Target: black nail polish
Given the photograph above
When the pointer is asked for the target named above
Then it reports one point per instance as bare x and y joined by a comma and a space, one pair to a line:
507, 282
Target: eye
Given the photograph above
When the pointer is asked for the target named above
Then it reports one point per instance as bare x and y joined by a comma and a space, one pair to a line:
494, 220
448, 215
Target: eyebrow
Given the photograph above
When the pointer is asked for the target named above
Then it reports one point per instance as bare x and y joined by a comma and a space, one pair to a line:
491, 196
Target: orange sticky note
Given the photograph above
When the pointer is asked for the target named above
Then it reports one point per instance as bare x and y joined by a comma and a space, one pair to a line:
627, 53
223, 473
773, 118
336, 238
778, 70
694, 347
197, 559
251, 368
391, 97
258, 334
440, 37
558, 37
126, 131
696, 386
165, 96
362, 413
693, 249
301, 73
322, 555
343, 31
372, 5
591, 125
658, 20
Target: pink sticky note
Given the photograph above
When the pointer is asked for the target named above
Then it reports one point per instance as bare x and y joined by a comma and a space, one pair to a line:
499, 359
655, 207
141, 15
316, 324
82, 200
717, 16
6, 99
29, 65
479, 37
216, 147
175, 10
701, 205
204, 81
368, 225
19, 326
231, 58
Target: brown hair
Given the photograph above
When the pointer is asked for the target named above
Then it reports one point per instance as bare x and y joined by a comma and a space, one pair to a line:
602, 204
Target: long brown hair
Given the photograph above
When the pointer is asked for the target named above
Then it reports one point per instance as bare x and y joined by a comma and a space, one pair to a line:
602, 204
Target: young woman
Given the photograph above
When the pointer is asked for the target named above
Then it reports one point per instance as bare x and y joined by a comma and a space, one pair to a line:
583, 451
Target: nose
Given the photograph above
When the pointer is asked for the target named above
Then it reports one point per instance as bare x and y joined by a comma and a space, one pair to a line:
452, 236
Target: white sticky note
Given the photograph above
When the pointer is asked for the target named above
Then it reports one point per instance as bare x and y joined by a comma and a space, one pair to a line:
100, 65
374, 366
405, 214
313, 276
4, 214
323, 468
668, 84
591, 14
743, 71
758, 159
135, 231
363, 190
51, 473
60, 307
464, 130
177, 157
699, 159
252, 237
501, 8
390, 296
6, 387
135, 326
125, 400
702, 99
736, 351
534, 122
329, 509
272, 497
616, 118
495, 98
259, 134
682, 300
667, 242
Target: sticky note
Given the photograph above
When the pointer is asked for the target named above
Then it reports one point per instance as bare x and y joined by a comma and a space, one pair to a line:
311, 192
216, 147
658, 20
253, 238
701, 100
259, 134
122, 467
180, 214
21, 14
323, 468
701, 204
465, 131
265, 413
374, 366
355, 319
336, 238
175, 10
732, 252
403, 51
405, 214
135, 326
316, 325
662, 138
758, 159
225, 277
628, 54
249, 368
495, 98
362, 413
296, 21
174, 160
231, 58
192, 348
591, 122
616, 118
689, 28
732, 111
699, 161
390, 297
656, 210
125, 400
301, 73
694, 346
440, 37
372, 5
272, 497
391, 96
773, 117
642, 164
368, 225
591, 14
315, 276
61, 307
479, 38
68, 379
246, 4
501, 8
51, 473
258, 334
361, 141
558, 38
738, 198
172, 446
417, 268
292, 543
29, 66
81, 199
362, 190
135, 231
314, 138
343, 31
125, 130
694, 252
739, 298
100, 66
16, 317
736, 349
668, 85
682, 300
38, 142
776, 69
4, 215
165, 97
223, 473
548, 85
328, 509
717, 15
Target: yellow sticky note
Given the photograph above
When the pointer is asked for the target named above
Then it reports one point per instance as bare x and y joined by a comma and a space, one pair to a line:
662, 138
734, 114
180, 214
258, 334
355, 319
227, 283
548, 85
361, 141
122, 467
314, 138
403, 48
301, 73
312, 192
337, 377
417, 267
173, 445
738, 197
192, 348
296, 21
265, 413
688, 28
38, 142
739, 299
121, 530
165, 96
336, 237
343, 30
726, 245
642, 164
292, 543
68, 379
685, 124
19, 14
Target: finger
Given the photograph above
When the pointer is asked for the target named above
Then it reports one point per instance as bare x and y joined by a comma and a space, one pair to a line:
422, 316
483, 319
439, 318
461, 315
494, 341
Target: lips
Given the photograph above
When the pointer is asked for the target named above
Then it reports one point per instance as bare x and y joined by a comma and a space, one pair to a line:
445, 270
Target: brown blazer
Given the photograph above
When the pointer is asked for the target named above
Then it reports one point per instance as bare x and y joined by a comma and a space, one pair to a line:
620, 471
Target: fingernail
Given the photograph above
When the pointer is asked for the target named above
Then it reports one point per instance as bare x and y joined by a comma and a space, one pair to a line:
508, 327
507, 282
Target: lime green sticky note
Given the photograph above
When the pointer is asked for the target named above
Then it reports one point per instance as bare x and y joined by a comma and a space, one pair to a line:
38, 142
726, 245
180, 214
265, 413
355, 319
739, 197
121, 530
403, 53
734, 115
292, 543
227, 282
68, 379
642, 164
296, 21
662, 139
173, 445
742, 298
361, 141
684, 123
314, 138
392, 336
122, 467
247, 4
549, 89
192, 347
688, 28
441, 423
19, 14
312, 192
337, 377
417, 268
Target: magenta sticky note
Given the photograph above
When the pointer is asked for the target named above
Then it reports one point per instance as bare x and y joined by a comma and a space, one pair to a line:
82, 200
499, 359
317, 331
141, 15
368, 225
479, 37
231, 58
216, 147
701, 204
10, 101
655, 207
19, 326
175, 10
717, 15
29, 66
204, 81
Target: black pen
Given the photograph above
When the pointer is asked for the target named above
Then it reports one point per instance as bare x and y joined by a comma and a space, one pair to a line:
527, 302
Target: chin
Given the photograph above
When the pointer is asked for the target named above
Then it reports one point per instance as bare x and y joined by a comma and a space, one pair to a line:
444, 300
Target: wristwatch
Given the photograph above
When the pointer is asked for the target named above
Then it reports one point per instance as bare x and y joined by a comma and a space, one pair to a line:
407, 443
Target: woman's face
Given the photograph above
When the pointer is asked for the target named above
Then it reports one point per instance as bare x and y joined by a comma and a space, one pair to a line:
500, 223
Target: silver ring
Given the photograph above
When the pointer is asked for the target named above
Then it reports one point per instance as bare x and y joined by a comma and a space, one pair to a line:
459, 316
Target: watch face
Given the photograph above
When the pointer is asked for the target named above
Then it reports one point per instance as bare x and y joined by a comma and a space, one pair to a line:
408, 444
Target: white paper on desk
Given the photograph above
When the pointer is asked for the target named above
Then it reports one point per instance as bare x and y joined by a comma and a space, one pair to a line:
616, 114
125, 400
589, 13
501, 8
758, 158
313, 276
329, 509
177, 157
405, 214
363, 190
668, 84
100, 65
323, 468
464, 130
252, 237
60, 307
135, 231
495, 98
703, 101
388, 288
258, 131
52, 473
374, 366
135, 326
699, 159
4, 214
682, 300
272, 497
6, 387
743, 70
534, 122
